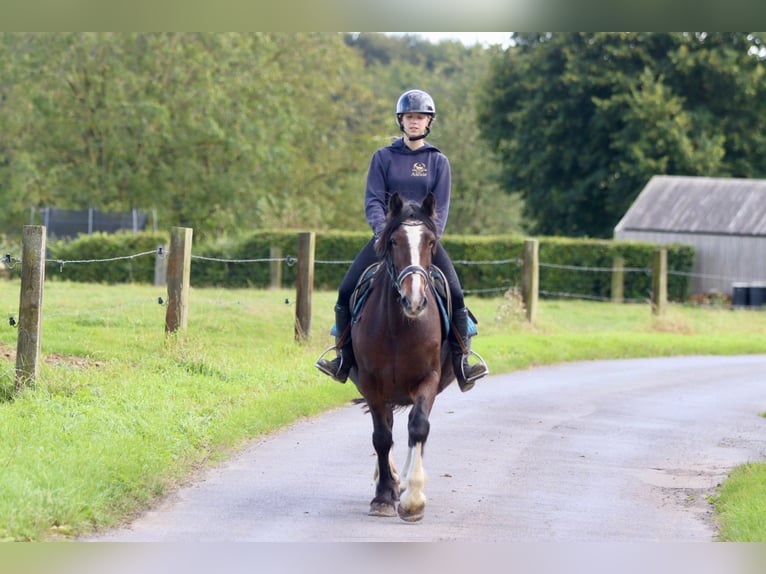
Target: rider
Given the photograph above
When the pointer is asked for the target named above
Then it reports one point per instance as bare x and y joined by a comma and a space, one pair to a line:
412, 167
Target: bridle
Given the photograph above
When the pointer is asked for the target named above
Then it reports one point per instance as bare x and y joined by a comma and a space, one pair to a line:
406, 272
397, 280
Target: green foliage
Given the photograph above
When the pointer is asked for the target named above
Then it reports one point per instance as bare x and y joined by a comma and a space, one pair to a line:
334, 254
246, 261
453, 75
228, 132
234, 132
741, 506
10, 252
583, 120
86, 259
486, 264
557, 255
190, 124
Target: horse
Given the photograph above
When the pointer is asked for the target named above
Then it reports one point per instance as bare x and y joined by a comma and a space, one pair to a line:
402, 356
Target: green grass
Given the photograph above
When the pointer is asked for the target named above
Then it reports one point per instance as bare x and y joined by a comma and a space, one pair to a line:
741, 505
122, 413
584, 330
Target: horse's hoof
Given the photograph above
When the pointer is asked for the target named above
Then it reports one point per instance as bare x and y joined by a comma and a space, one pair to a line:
415, 515
382, 509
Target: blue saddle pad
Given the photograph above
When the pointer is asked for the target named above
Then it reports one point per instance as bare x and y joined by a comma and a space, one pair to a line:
472, 329
441, 290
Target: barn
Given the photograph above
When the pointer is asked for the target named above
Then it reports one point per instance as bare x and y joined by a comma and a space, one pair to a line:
723, 218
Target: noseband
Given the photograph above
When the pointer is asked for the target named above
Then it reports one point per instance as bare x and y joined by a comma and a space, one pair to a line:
406, 272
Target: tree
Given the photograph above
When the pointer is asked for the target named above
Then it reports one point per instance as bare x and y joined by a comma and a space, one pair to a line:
227, 132
220, 132
582, 121
454, 75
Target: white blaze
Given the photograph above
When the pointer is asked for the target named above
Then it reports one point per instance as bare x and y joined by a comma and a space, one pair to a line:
414, 233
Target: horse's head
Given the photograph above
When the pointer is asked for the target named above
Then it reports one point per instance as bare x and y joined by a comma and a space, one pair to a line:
408, 242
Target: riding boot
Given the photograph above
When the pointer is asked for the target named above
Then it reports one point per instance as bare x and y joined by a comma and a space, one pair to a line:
340, 366
466, 374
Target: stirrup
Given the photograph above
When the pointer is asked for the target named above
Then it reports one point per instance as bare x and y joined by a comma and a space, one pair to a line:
482, 362
322, 363
467, 383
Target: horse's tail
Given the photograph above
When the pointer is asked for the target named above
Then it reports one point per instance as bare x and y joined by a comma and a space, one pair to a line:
363, 402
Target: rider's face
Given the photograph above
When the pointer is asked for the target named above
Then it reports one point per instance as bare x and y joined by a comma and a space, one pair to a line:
415, 124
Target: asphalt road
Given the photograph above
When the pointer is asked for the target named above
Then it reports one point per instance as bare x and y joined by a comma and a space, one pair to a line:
592, 451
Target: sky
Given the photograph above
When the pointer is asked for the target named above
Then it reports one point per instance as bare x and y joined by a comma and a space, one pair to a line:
468, 38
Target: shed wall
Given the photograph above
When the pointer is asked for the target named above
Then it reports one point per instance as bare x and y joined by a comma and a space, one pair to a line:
720, 260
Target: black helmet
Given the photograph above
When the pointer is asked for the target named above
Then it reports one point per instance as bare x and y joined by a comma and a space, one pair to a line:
415, 102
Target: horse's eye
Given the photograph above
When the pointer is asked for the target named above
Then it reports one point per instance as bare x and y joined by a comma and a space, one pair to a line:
393, 242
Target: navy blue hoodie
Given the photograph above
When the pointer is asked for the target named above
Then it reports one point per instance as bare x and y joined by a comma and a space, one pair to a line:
396, 168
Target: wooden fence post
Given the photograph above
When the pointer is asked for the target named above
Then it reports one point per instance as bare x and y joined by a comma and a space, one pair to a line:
29, 337
618, 280
179, 267
530, 281
275, 267
659, 281
305, 286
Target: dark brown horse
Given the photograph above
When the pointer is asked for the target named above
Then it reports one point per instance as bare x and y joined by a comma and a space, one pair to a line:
401, 359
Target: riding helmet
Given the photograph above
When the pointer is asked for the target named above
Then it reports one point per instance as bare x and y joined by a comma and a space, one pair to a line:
415, 101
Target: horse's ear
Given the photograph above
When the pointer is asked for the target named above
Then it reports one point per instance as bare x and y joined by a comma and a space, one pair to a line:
395, 204
429, 204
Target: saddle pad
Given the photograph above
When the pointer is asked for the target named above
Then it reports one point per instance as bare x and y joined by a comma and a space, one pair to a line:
440, 288
359, 294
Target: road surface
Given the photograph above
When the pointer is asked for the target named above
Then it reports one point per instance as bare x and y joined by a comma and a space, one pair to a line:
591, 451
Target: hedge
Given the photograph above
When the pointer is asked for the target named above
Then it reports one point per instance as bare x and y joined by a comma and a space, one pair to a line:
104, 258
486, 264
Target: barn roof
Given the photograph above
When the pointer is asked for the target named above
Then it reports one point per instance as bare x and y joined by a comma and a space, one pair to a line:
698, 205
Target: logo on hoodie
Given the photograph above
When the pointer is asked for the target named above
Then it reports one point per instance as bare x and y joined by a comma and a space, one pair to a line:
419, 170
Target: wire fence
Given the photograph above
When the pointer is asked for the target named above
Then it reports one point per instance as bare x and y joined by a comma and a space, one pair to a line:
10, 262
526, 276
522, 275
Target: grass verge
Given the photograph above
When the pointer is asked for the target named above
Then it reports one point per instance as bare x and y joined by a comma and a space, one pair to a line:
741, 505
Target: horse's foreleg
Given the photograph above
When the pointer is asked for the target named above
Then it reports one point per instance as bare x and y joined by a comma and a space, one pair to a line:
391, 464
412, 505
386, 487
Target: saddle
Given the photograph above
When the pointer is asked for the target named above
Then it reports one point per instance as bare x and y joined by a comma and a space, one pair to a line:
440, 289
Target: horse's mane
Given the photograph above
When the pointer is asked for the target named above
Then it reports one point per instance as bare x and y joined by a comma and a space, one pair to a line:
410, 211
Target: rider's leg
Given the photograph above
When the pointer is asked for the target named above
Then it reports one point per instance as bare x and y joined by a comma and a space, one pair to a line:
340, 366
465, 373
